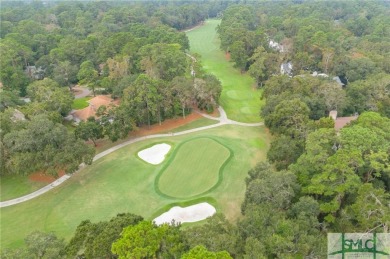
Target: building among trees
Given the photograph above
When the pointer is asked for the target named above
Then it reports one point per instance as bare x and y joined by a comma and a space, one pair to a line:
340, 122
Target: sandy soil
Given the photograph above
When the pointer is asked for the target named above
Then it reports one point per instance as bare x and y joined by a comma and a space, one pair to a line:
227, 56
169, 124
45, 178
192, 213
155, 154
165, 125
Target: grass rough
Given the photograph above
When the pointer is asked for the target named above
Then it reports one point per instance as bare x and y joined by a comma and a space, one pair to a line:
13, 186
120, 182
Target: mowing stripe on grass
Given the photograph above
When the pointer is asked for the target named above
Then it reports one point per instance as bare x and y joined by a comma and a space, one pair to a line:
240, 98
120, 182
194, 171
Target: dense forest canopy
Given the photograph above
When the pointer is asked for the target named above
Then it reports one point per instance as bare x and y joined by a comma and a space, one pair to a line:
327, 180
59, 36
133, 51
317, 179
326, 38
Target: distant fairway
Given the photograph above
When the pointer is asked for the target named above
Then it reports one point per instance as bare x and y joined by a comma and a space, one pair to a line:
239, 98
195, 168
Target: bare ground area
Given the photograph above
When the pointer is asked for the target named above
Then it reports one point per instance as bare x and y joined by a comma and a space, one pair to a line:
45, 178
227, 56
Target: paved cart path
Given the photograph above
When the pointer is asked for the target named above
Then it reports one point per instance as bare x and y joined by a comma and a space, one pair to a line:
223, 120
81, 92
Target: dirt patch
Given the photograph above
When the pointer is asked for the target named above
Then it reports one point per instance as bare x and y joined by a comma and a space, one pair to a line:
171, 124
167, 125
227, 56
45, 178
215, 113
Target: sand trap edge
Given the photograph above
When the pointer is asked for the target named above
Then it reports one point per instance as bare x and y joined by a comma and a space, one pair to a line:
155, 154
193, 213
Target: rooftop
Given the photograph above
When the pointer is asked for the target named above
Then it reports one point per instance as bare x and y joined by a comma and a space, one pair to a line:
343, 121
340, 122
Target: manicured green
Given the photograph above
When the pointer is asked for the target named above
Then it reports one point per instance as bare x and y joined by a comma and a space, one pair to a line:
80, 103
195, 167
121, 182
240, 98
14, 186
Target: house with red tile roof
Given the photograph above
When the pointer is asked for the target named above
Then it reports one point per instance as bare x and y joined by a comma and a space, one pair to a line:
340, 122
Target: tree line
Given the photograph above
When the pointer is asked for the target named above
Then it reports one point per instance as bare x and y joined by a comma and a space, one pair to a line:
316, 180
327, 181
343, 39
60, 36
124, 236
132, 51
340, 183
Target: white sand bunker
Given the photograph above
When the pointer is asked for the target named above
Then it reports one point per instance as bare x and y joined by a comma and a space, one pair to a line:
155, 154
192, 213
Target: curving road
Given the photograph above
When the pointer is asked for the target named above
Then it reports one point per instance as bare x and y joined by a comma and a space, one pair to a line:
81, 92
223, 120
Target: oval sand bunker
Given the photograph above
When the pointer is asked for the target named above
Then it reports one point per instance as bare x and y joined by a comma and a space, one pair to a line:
192, 213
155, 154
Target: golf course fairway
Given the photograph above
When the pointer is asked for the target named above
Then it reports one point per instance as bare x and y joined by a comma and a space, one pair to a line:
240, 98
209, 165
122, 182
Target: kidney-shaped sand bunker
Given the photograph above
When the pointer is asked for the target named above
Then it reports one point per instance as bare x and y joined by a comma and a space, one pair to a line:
155, 154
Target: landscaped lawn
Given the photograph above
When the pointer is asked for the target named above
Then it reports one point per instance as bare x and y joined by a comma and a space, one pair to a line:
121, 182
80, 103
240, 99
